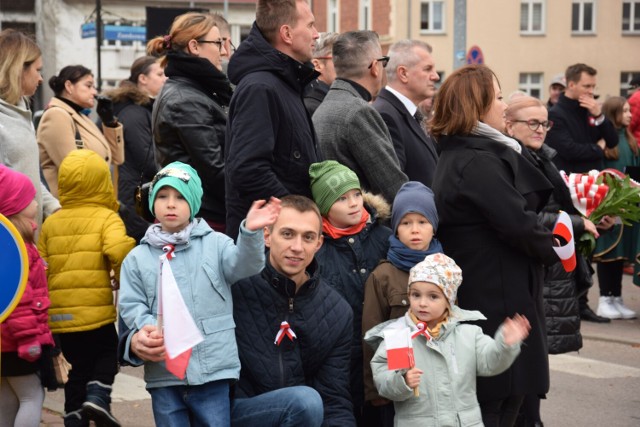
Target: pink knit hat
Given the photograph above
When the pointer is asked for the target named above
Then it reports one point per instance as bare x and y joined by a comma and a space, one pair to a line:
16, 191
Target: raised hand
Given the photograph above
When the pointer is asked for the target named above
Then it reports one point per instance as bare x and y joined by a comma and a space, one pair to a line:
515, 330
263, 214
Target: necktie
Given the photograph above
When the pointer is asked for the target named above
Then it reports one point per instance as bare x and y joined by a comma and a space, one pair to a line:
419, 117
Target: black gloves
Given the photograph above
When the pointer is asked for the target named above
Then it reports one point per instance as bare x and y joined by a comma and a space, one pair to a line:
105, 111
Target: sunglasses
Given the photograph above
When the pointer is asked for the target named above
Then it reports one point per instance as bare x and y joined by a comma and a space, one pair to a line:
383, 59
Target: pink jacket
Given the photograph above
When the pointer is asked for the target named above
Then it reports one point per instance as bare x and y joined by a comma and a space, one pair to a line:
26, 329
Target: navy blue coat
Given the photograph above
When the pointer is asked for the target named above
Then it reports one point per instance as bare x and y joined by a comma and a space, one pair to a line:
318, 357
270, 141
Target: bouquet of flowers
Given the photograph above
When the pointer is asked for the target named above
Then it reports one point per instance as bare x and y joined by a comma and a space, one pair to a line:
599, 194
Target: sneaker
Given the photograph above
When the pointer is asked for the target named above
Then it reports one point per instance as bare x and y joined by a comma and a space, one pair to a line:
75, 419
625, 312
98, 405
606, 308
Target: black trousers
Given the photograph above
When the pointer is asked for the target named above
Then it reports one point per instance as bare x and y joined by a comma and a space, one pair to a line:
92, 355
610, 278
501, 413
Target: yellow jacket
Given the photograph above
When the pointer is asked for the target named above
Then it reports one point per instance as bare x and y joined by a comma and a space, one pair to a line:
57, 138
82, 243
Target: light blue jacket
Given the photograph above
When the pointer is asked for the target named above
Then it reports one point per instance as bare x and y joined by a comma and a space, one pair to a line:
204, 269
450, 363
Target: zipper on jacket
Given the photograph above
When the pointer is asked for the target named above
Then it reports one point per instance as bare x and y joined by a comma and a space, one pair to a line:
454, 361
290, 305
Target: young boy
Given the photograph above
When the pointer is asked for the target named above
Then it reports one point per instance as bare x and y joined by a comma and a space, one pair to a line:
82, 243
448, 354
414, 221
354, 243
205, 264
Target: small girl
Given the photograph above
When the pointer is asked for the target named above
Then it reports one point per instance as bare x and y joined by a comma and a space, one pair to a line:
26, 330
205, 265
448, 354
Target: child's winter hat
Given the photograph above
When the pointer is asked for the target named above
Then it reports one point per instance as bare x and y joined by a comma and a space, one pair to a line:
17, 191
329, 181
184, 179
414, 197
440, 270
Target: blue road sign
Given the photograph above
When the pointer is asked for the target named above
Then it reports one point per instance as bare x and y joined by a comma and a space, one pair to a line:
14, 267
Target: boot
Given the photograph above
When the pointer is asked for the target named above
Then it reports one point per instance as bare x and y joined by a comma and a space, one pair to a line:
625, 312
606, 308
98, 405
76, 419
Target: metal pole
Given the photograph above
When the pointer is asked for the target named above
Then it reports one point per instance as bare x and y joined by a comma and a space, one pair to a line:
459, 33
99, 42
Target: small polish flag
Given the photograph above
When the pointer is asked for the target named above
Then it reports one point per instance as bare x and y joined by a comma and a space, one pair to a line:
174, 320
399, 348
563, 230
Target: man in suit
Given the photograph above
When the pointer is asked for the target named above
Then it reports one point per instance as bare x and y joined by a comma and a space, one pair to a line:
349, 129
411, 77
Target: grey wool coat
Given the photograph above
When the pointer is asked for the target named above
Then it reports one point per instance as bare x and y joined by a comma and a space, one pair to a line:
353, 133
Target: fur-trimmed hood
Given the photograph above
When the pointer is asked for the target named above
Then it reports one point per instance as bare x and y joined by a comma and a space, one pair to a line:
381, 206
129, 92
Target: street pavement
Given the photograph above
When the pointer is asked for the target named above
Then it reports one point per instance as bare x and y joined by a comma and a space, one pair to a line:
597, 386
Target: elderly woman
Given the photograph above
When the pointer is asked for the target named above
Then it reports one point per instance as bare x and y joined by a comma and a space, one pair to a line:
488, 196
20, 65
65, 125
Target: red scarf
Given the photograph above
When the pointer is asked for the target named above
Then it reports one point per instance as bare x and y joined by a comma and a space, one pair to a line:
335, 232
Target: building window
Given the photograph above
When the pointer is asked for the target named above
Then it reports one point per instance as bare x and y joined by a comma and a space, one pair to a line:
29, 28
532, 17
531, 84
333, 18
365, 14
583, 17
17, 5
625, 78
432, 17
631, 17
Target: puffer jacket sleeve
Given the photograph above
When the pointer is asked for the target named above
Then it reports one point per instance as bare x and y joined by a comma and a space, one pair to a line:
390, 384
115, 242
493, 356
244, 259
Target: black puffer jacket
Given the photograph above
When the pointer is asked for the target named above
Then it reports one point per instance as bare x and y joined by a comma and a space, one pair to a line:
189, 125
345, 264
270, 138
561, 309
318, 357
133, 109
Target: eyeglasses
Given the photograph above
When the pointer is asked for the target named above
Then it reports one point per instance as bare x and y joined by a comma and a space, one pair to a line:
218, 42
383, 59
233, 48
173, 173
535, 124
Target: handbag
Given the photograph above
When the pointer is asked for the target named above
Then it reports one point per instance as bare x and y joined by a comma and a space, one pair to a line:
54, 368
141, 194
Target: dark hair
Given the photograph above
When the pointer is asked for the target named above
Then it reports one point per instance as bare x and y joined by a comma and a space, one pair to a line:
72, 73
612, 110
272, 14
574, 72
141, 66
462, 100
302, 204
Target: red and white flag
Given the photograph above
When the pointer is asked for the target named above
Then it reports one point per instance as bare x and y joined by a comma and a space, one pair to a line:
563, 230
399, 348
174, 320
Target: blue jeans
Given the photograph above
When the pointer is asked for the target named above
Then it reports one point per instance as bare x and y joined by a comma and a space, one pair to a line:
196, 406
285, 407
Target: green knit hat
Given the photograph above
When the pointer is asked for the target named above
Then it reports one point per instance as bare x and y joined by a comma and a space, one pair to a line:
184, 179
329, 181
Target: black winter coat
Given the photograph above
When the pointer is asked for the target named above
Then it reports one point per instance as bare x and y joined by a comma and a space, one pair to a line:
133, 109
318, 357
561, 288
345, 265
270, 140
488, 197
314, 93
189, 125
575, 139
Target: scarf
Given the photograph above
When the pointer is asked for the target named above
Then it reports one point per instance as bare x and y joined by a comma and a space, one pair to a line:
487, 131
336, 233
435, 332
158, 239
405, 258
203, 72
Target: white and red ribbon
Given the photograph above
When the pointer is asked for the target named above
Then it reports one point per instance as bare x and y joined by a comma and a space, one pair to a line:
285, 329
422, 330
567, 253
586, 193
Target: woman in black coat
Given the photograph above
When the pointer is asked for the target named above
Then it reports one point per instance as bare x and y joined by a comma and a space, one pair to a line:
488, 196
189, 118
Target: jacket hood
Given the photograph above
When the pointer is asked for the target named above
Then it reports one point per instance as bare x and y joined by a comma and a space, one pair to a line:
84, 178
129, 93
379, 204
256, 54
17, 111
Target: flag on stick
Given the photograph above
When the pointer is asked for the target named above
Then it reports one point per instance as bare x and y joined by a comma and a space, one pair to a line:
400, 351
567, 252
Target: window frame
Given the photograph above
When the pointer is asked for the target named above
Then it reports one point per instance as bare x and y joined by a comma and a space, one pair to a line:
365, 15
543, 14
430, 4
529, 85
333, 13
634, 6
581, 31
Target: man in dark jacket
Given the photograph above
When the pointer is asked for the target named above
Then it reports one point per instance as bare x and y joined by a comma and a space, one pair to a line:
580, 134
411, 77
270, 141
322, 61
292, 329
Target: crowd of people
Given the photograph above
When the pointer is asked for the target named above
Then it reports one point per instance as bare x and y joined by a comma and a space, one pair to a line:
312, 199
